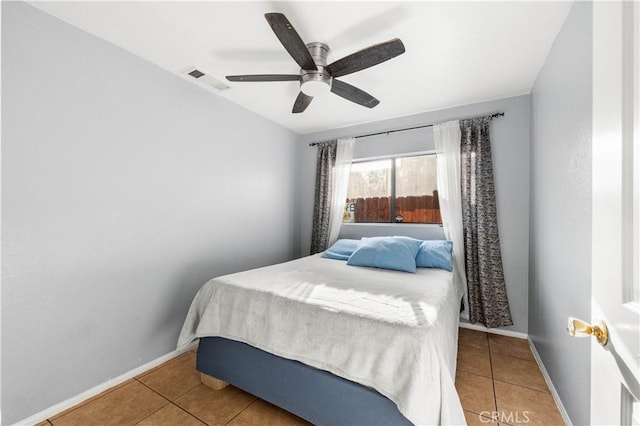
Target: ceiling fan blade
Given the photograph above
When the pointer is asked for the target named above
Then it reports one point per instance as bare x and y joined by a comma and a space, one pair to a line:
291, 40
353, 94
365, 58
301, 103
264, 77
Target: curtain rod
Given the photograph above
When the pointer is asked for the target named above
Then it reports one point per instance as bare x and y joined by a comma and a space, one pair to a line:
497, 114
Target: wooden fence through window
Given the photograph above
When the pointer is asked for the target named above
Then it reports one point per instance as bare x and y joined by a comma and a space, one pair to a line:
422, 209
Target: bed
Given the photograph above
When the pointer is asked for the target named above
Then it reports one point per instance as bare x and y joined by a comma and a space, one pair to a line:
333, 343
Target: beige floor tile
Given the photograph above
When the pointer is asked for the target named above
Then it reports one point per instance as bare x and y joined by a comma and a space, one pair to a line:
128, 404
215, 407
503, 345
263, 413
44, 423
474, 419
474, 338
158, 367
475, 392
518, 405
474, 360
175, 378
89, 400
518, 371
170, 415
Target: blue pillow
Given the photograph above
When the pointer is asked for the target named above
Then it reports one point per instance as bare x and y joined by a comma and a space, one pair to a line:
411, 243
341, 249
386, 253
435, 254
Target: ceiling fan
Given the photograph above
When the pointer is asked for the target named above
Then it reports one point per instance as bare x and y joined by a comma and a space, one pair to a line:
316, 77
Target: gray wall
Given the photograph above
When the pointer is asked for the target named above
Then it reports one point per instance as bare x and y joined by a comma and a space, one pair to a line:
124, 188
560, 238
510, 144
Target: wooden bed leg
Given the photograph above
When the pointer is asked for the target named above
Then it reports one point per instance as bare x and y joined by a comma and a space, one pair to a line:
212, 382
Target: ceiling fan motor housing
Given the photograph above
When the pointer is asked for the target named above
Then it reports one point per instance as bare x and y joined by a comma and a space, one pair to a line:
312, 82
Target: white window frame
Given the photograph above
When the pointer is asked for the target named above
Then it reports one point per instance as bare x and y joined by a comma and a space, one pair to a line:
393, 159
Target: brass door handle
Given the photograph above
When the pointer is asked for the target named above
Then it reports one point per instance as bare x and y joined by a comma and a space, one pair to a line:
578, 328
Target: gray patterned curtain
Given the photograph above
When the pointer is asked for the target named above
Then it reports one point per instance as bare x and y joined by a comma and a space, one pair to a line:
325, 161
487, 292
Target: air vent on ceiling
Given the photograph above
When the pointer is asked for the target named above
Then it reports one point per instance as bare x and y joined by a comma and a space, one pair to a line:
206, 79
196, 74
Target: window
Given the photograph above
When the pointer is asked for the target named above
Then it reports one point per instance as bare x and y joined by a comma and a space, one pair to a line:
400, 190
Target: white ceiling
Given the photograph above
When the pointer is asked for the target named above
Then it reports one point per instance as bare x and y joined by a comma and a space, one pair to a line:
457, 53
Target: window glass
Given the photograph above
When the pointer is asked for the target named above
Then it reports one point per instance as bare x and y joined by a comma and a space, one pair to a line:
393, 190
369, 194
416, 190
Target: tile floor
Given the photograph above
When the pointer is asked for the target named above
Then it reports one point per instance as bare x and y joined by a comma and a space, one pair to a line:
498, 381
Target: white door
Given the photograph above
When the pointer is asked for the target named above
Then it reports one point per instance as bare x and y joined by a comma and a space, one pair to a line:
615, 370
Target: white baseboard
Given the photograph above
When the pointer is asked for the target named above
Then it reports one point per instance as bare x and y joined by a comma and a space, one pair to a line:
552, 389
509, 333
75, 400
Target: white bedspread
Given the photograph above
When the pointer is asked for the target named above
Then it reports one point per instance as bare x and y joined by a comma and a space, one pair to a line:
393, 331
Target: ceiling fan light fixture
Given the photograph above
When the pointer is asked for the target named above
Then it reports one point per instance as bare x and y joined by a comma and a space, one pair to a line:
315, 83
315, 88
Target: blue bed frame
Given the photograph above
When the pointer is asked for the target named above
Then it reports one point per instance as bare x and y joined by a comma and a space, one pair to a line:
315, 395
